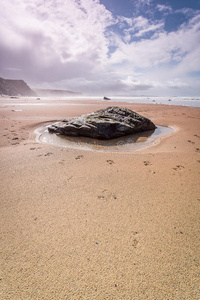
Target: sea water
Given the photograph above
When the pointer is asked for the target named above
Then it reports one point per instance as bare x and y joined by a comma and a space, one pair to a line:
183, 101
58, 101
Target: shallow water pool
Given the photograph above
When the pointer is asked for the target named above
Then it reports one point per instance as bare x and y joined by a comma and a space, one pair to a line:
123, 144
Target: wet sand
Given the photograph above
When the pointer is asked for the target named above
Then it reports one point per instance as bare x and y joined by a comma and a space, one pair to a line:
80, 224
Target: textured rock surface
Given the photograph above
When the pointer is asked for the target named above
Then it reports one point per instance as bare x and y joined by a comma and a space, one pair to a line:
108, 123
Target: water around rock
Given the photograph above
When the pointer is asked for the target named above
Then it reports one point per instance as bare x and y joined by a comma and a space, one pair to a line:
106, 124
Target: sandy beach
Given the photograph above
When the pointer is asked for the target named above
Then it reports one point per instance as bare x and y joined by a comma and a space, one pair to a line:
81, 224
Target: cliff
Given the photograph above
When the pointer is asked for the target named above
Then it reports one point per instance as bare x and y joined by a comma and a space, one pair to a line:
11, 87
55, 93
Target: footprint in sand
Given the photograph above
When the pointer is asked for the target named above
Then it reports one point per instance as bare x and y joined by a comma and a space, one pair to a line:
79, 157
110, 161
106, 194
147, 163
14, 144
48, 154
178, 168
103, 195
134, 243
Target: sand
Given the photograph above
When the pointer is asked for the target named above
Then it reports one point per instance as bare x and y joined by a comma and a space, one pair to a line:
91, 225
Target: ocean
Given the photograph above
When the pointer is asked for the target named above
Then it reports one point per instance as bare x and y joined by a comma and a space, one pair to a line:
185, 101
181, 101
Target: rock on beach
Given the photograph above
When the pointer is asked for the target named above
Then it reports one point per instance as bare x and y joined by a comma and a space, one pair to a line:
106, 124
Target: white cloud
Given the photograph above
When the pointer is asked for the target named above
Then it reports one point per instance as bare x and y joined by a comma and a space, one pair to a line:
67, 43
164, 8
167, 59
138, 27
162, 48
189, 12
67, 29
137, 84
143, 2
176, 83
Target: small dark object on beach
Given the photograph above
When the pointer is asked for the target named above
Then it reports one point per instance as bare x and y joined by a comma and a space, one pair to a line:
104, 124
106, 98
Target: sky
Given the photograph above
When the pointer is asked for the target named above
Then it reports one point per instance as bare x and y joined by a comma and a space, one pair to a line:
103, 47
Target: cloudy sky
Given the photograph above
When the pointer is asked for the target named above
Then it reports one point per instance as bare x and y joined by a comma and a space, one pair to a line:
103, 47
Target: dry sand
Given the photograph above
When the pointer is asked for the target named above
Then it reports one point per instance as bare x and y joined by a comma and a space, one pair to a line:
89, 225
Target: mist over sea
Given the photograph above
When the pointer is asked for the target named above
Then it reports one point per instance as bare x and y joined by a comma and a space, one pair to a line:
186, 101
180, 101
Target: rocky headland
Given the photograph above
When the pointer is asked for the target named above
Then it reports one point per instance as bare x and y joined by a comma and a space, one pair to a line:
16, 88
9, 87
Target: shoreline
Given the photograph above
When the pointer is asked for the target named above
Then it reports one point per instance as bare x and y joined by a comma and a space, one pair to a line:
79, 224
169, 101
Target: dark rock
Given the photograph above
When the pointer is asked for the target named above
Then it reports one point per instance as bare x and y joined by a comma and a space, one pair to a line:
106, 124
106, 98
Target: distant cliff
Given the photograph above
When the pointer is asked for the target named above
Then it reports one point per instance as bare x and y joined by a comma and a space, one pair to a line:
55, 93
11, 87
